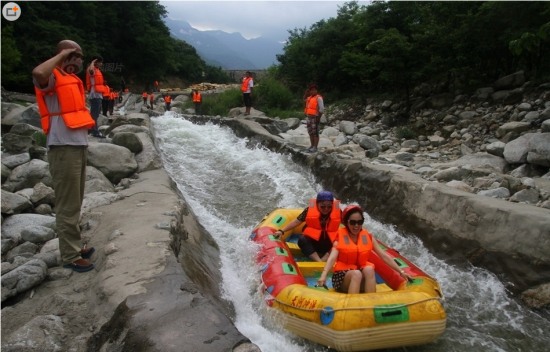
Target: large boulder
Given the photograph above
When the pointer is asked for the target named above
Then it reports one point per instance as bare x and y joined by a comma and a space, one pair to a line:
114, 161
533, 148
27, 175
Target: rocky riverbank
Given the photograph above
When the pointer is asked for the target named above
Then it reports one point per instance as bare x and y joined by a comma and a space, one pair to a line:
140, 296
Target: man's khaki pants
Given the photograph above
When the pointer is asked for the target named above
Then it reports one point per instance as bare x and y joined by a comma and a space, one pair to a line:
68, 170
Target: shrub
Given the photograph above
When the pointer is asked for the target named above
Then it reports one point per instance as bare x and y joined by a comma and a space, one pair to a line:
39, 139
405, 132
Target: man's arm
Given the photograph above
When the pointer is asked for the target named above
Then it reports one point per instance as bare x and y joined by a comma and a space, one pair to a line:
42, 72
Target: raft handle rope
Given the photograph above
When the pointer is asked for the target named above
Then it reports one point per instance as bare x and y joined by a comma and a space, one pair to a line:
357, 308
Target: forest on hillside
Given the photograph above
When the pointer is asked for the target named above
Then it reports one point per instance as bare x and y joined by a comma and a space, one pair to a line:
383, 47
394, 46
130, 36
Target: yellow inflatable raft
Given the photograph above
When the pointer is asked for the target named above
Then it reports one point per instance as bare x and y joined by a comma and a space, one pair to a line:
400, 313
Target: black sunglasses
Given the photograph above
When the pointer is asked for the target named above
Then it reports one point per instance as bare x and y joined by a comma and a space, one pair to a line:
356, 222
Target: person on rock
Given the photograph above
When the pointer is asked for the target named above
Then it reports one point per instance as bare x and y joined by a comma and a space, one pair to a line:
96, 86
65, 121
313, 110
246, 89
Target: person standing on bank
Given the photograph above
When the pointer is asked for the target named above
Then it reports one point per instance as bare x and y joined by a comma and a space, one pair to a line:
197, 100
106, 100
322, 218
65, 121
167, 102
314, 110
95, 85
349, 257
246, 88
151, 99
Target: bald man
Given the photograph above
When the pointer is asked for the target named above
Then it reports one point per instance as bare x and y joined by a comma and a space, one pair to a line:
65, 120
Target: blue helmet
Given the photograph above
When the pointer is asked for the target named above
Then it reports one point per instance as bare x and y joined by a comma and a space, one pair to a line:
324, 196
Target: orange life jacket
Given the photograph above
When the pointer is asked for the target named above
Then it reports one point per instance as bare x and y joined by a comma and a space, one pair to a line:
197, 98
152, 97
244, 86
167, 99
144, 95
112, 95
99, 82
107, 92
352, 255
70, 95
312, 106
313, 227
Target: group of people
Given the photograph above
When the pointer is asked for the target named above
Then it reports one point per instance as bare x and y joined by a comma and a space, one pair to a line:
151, 98
66, 121
345, 250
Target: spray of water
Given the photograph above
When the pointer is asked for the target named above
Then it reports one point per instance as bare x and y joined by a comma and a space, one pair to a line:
231, 187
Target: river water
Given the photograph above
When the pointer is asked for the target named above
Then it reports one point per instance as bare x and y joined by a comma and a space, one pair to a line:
231, 187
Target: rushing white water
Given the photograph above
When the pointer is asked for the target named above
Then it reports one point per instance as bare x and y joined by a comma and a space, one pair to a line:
231, 187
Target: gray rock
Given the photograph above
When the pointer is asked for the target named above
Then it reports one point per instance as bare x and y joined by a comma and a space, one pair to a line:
517, 151
37, 234
514, 127
96, 181
529, 196
148, 158
23, 278
114, 161
27, 175
42, 333
348, 127
42, 194
499, 192
15, 224
13, 203
26, 249
514, 80
12, 161
496, 148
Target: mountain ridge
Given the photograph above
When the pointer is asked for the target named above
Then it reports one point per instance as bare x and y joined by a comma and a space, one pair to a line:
230, 51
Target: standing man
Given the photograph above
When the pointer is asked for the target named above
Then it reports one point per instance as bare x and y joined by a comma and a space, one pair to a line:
246, 88
167, 102
95, 85
106, 99
314, 110
151, 99
65, 120
144, 96
197, 100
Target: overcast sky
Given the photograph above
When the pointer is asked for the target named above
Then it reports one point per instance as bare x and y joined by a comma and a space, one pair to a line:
252, 19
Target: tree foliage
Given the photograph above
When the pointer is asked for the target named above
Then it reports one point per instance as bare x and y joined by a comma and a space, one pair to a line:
130, 35
394, 46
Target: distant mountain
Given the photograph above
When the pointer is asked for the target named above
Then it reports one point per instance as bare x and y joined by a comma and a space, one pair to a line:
229, 51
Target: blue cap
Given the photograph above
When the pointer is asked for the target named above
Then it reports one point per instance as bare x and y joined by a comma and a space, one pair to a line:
325, 195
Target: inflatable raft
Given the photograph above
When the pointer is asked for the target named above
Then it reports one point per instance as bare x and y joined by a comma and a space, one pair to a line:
400, 313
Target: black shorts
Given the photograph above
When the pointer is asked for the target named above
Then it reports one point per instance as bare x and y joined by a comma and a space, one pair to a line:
247, 98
